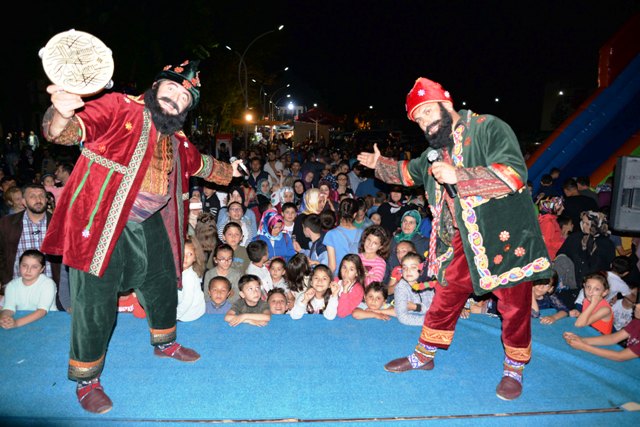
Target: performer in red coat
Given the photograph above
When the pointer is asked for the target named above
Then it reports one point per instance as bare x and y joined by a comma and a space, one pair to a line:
121, 222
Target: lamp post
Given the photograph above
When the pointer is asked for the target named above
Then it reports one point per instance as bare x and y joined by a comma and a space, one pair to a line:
271, 99
242, 76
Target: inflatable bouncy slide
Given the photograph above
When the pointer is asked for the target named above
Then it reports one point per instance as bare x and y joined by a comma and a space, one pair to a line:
607, 125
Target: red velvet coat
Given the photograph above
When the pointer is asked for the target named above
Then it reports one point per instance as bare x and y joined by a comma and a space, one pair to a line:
118, 138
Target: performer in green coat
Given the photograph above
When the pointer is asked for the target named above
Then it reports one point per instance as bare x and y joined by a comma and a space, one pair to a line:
485, 236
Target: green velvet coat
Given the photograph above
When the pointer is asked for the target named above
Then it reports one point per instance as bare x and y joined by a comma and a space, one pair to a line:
494, 211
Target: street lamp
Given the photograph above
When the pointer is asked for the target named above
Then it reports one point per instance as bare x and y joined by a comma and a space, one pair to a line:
242, 72
271, 99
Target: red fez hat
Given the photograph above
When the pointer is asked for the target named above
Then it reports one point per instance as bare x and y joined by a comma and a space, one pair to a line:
423, 91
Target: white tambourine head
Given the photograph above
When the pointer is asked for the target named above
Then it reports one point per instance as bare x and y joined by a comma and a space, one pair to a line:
78, 62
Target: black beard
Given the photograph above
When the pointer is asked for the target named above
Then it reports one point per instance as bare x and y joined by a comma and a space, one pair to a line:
165, 123
34, 210
444, 136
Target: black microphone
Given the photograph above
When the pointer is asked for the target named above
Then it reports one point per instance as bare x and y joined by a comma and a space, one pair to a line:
243, 168
434, 156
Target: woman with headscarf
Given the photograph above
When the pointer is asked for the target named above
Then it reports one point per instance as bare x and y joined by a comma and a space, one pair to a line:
281, 196
312, 203
409, 231
298, 192
270, 231
590, 249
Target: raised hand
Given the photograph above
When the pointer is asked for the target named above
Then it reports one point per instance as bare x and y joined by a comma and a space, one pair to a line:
370, 159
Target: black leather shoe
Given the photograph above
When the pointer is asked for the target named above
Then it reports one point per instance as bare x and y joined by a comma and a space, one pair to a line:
403, 365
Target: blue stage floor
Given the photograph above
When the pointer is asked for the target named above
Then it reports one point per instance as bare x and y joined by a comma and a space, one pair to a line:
313, 371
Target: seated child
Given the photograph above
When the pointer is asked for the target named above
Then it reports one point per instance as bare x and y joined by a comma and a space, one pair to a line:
394, 270
542, 297
219, 290
277, 272
250, 308
277, 300
32, 291
350, 278
320, 298
279, 243
623, 310
191, 304
412, 298
258, 255
596, 311
631, 333
222, 259
312, 229
619, 269
128, 303
375, 304
373, 251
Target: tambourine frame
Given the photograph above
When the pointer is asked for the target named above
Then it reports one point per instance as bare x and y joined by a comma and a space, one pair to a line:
78, 62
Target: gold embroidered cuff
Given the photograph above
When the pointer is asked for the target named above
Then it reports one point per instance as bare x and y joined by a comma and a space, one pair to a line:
213, 170
85, 370
163, 336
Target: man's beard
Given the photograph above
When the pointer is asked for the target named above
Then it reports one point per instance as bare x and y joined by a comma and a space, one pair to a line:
35, 210
443, 136
165, 123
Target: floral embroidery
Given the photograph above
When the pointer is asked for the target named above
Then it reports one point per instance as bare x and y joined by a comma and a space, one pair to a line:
168, 67
186, 84
467, 141
507, 247
186, 145
178, 70
85, 233
520, 251
127, 100
102, 148
421, 92
481, 119
504, 236
128, 126
497, 259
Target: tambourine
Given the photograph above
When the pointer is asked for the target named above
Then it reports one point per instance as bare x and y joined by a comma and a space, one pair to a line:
78, 62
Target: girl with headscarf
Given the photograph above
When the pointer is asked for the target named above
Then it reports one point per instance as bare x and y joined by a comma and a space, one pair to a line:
312, 203
298, 191
590, 249
270, 231
237, 194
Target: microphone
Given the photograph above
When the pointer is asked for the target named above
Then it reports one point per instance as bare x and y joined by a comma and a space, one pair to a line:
243, 168
434, 156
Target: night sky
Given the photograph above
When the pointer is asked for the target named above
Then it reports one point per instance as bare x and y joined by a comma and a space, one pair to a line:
345, 55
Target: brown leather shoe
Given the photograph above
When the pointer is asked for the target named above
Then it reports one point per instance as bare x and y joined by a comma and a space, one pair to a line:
178, 352
93, 399
508, 389
403, 365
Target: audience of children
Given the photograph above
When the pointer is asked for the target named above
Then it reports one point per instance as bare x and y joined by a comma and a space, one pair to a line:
623, 309
373, 250
412, 298
32, 291
191, 304
375, 305
277, 271
223, 265
543, 297
277, 300
596, 311
279, 244
219, 290
320, 298
351, 276
250, 308
259, 255
630, 333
